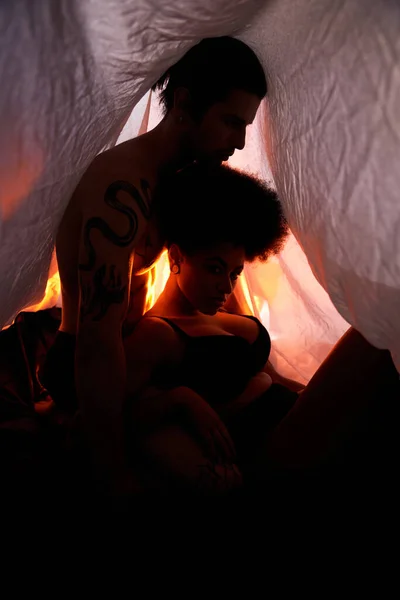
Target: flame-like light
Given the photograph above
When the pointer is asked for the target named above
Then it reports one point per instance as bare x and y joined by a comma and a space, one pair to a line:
51, 296
158, 277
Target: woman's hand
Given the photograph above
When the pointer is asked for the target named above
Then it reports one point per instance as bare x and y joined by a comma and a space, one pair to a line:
210, 429
258, 385
255, 388
292, 385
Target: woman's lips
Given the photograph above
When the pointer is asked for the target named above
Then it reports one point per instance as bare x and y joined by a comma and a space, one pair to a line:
218, 300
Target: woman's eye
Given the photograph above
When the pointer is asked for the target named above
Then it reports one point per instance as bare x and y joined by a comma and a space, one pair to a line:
214, 270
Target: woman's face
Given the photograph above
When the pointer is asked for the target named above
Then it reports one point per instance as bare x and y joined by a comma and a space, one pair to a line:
208, 277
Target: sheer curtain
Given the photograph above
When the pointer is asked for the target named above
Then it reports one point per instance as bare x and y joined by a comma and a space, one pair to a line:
283, 293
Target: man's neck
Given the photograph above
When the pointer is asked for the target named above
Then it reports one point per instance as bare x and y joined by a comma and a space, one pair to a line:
165, 146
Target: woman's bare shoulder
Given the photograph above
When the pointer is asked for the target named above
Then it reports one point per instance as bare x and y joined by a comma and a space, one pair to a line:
152, 335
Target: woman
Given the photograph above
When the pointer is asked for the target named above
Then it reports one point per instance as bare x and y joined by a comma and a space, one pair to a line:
206, 404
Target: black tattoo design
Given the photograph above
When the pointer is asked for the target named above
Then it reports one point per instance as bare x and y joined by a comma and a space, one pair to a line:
106, 286
97, 297
110, 198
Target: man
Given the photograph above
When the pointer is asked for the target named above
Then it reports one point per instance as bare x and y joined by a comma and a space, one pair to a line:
107, 235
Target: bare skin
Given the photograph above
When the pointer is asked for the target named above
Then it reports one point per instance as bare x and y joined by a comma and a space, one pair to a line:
351, 379
107, 241
192, 299
142, 159
117, 165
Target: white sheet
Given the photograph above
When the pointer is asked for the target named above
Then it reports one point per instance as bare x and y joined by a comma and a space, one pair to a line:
333, 138
72, 71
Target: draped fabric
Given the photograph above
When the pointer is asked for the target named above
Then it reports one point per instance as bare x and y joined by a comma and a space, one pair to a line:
73, 71
283, 293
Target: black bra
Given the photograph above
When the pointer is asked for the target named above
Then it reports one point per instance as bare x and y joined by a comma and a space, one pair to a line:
218, 367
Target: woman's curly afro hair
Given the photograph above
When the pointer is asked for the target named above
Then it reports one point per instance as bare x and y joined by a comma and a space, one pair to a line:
201, 206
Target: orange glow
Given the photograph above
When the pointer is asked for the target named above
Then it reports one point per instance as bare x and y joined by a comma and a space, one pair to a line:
158, 277
51, 296
246, 293
18, 180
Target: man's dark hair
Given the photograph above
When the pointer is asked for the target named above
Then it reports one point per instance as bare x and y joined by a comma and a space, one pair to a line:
201, 206
210, 70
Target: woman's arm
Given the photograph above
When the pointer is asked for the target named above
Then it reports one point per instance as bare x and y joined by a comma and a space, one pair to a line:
152, 344
153, 405
255, 388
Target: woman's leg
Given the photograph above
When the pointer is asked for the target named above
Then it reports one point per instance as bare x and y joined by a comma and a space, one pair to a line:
176, 460
353, 378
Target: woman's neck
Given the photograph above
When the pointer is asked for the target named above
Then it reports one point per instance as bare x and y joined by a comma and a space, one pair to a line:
172, 302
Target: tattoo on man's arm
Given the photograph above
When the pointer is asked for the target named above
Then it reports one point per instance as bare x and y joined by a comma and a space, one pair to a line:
111, 199
98, 295
106, 287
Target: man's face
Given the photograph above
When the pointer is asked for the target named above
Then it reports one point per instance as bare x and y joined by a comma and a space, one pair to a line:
222, 129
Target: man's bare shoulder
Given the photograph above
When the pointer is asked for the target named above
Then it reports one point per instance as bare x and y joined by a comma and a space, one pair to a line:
127, 160
115, 176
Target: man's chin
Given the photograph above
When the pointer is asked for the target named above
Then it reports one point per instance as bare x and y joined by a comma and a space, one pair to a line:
212, 161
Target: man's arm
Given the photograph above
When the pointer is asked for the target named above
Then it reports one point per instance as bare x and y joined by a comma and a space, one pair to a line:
107, 245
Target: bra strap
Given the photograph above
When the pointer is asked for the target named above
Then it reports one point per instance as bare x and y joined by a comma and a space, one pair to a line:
170, 323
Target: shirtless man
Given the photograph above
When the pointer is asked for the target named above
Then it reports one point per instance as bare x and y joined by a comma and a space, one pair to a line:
107, 234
